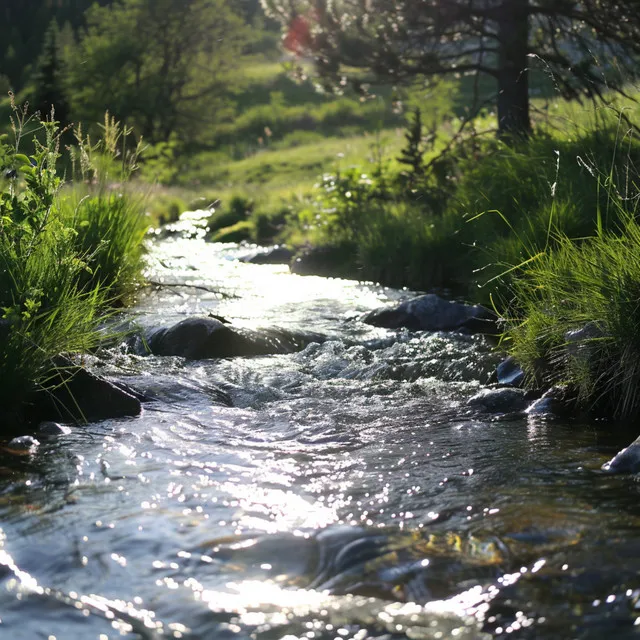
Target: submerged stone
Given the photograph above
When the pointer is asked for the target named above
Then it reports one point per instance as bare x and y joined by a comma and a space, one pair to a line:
555, 402
502, 400
23, 443
625, 461
433, 313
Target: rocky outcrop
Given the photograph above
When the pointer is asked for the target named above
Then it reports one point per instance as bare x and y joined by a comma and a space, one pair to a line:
200, 338
433, 313
625, 461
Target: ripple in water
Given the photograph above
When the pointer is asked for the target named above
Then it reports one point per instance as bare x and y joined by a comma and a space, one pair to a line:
349, 492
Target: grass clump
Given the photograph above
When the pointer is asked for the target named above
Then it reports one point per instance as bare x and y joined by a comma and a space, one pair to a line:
237, 232
109, 230
230, 212
577, 319
574, 314
62, 265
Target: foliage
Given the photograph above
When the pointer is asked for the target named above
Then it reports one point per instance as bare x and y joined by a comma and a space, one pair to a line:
48, 77
499, 39
572, 313
346, 200
270, 221
23, 24
162, 66
62, 264
164, 207
262, 126
109, 230
111, 158
109, 225
237, 232
476, 211
44, 311
161, 161
412, 153
228, 213
592, 288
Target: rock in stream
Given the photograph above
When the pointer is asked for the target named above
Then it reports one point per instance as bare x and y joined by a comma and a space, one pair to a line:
200, 338
433, 313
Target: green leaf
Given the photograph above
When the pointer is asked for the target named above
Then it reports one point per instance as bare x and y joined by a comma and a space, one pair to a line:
22, 160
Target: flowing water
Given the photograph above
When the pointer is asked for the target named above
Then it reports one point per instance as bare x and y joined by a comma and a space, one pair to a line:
349, 493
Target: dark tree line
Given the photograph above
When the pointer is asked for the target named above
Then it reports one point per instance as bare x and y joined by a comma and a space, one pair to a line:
23, 25
586, 46
162, 66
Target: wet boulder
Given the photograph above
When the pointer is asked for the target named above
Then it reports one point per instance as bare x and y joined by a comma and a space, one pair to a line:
271, 255
509, 373
76, 395
580, 342
558, 401
500, 400
50, 428
625, 461
23, 444
433, 313
200, 338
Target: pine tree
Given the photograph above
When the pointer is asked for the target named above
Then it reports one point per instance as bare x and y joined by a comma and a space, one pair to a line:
413, 154
48, 77
588, 47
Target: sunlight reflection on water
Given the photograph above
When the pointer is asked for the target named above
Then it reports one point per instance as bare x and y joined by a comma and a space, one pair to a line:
349, 493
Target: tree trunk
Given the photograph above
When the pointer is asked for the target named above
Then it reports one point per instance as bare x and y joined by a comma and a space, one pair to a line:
513, 75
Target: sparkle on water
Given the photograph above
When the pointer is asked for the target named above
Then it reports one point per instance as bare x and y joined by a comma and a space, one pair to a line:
349, 493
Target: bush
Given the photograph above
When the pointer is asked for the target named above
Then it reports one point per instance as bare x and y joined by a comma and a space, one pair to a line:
269, 222
230, 213
45, 311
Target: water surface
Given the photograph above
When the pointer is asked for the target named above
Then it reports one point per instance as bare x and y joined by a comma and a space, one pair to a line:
349, 493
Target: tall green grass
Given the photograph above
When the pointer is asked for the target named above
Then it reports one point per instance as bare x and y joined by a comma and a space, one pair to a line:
591, 287
44, 313
573, 313
109, 230
481, 209
63, 263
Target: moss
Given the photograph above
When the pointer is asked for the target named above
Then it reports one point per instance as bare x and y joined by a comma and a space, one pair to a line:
237, 232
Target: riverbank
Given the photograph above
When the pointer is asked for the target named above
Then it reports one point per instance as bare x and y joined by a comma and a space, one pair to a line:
512, 226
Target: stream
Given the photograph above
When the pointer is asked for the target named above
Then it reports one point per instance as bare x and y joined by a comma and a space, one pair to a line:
350, 493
